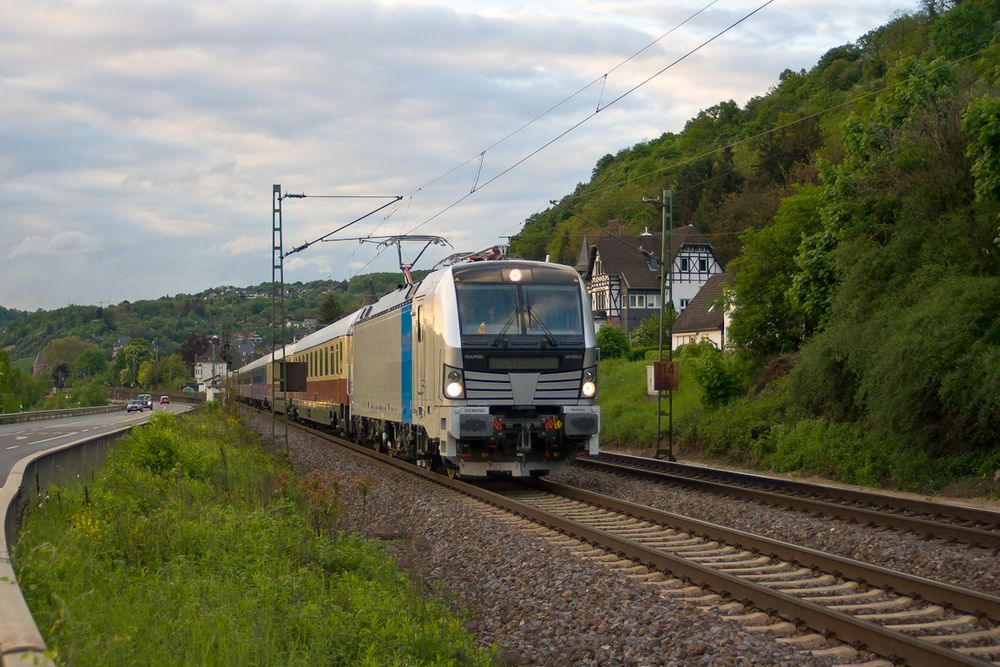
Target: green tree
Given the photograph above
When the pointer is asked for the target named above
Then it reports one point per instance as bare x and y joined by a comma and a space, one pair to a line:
613, 342
721, 377
330, 309
66, 350
147, 374
129, 360
647, 332
765, 322
90, 363
18, 389
981, 121
173, 372
964, 29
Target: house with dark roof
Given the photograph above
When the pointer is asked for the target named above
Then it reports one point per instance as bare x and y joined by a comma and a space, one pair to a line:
622, 274
706, 316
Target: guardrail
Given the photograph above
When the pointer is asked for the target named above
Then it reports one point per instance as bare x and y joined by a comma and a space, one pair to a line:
14, 417
21, 642
128, 393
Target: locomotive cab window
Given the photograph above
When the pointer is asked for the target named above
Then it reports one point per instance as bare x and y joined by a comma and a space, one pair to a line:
516, 310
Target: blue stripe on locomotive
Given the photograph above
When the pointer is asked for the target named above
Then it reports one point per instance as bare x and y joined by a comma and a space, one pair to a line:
406, 368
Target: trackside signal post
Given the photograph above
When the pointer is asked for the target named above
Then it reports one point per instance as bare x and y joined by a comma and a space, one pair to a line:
665, 374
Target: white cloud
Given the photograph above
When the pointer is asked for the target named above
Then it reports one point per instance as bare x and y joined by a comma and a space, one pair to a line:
244, 245
59, 243
159, 127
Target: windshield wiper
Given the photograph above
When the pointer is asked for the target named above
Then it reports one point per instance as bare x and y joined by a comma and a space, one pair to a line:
506, 325
538, 322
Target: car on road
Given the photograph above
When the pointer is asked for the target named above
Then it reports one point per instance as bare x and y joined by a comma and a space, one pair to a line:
135, 405
164, 400
147, 400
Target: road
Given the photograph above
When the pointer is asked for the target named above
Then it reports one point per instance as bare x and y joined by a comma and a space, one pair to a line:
24, 438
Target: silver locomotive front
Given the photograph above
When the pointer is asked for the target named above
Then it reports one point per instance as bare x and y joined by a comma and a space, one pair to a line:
509, 363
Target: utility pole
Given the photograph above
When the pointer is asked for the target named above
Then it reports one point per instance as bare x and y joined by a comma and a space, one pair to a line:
665, 373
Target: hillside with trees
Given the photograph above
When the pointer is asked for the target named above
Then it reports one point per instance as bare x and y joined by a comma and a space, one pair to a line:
154, 343
856, 206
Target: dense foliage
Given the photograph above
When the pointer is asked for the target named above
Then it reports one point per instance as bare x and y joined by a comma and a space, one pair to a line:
157, 341
170, 320
193, 547
866, 194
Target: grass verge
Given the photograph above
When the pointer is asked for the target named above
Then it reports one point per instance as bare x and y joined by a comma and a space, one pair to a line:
628, 415
194, 547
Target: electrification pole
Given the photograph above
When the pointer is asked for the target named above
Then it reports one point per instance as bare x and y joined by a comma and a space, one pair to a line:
665, 373
277, 312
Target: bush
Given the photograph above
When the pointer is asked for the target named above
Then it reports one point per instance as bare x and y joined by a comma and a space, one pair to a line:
732, 429
840, 450
721, 377
647, 333
613, 342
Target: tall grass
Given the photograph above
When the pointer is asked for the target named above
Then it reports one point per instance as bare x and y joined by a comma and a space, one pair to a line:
193, 547
628, 415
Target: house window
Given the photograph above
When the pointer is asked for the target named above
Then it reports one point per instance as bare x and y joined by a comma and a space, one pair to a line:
685, 264
684, 303
703, 265
643, 301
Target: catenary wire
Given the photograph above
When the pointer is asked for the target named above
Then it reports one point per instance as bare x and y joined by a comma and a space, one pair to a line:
586, 118
555, 106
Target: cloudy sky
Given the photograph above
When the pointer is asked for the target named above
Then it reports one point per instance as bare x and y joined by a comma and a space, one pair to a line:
139, 140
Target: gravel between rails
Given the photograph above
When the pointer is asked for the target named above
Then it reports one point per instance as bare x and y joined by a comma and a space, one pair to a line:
959, 564
538, 602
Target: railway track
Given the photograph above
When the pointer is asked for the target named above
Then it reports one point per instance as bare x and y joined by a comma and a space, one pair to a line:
901, 616
815, 595
967, 525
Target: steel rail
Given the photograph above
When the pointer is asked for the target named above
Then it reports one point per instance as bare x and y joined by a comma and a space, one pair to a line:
879, 639
949, 595
734, 484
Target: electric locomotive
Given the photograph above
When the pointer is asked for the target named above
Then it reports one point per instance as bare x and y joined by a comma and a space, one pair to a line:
482, 368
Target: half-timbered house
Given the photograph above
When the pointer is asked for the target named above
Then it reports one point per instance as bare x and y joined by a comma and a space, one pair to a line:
622, 274
705, 318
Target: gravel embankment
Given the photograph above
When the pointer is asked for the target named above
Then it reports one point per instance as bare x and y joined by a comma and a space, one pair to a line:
538, 602
959, 564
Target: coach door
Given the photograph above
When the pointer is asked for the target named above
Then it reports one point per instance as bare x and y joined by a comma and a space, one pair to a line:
421, 343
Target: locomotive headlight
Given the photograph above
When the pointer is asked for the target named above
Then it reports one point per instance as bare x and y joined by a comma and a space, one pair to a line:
588, 388
454, 387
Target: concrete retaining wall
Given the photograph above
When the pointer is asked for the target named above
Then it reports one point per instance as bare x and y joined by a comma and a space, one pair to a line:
20, 641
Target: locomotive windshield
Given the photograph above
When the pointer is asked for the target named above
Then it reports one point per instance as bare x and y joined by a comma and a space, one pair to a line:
507, 311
